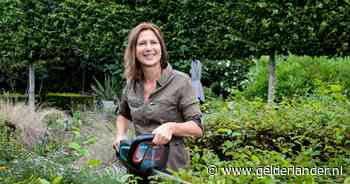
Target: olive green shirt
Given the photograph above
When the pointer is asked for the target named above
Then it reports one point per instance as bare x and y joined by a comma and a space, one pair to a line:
172, 101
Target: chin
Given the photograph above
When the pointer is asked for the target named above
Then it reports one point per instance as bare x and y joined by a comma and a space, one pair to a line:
151, 64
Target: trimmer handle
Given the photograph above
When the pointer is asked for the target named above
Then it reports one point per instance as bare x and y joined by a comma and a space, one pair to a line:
139, 139
122, 142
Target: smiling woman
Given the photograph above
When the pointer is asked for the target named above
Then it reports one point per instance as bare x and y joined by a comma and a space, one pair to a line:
148, 49
157, 99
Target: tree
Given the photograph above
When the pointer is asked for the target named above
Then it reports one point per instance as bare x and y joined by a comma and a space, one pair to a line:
270, 27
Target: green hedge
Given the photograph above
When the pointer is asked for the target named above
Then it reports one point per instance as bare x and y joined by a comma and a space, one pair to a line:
14, 97
305, 132
69, 101
299, 76
73, 40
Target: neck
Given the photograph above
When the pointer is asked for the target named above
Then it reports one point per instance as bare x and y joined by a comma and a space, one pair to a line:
152, 73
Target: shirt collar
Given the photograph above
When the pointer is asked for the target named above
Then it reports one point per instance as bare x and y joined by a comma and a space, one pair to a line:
165, 76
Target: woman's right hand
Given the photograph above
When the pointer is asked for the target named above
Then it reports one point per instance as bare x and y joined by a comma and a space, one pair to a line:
117, 140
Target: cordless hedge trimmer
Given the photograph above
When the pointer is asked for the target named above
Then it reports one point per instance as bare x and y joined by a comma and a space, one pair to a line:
144, 158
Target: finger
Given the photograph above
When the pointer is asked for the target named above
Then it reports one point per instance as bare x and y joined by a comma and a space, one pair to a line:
159, 139
155, 139
116, 146
164, 140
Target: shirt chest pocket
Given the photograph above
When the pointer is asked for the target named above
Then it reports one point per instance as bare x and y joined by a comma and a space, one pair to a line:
135, 104
164, 110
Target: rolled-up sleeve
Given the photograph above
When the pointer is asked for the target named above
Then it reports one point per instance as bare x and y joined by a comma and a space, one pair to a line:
189, 105
124, 109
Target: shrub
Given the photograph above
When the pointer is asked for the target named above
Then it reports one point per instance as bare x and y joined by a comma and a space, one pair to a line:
70, 101
307, 132
298, 76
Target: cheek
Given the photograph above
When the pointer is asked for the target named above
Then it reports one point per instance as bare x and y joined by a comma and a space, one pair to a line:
138, 52
160, 50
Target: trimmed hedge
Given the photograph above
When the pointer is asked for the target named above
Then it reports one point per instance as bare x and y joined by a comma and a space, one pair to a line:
70, 101
74, 40
302, 132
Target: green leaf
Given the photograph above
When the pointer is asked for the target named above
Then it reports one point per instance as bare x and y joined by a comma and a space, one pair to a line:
83, 152
43, 181
94, 163
91, 140
57, 180
75, 146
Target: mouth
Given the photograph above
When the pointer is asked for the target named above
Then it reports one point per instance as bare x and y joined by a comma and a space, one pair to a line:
148, 56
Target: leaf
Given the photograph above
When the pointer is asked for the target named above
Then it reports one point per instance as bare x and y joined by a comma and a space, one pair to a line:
347, 180
124, 178
43, 181
235, 133
57, 180
269, 180
75, 146
76, 134
94, 163
323, 26
84, 152
91, 140
255, 159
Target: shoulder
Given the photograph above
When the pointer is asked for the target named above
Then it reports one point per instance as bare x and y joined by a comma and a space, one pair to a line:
130, 86
181, 76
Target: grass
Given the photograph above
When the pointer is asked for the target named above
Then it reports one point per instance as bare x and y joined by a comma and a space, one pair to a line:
45, 137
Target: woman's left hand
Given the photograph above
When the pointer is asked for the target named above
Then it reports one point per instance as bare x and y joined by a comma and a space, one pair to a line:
163, 134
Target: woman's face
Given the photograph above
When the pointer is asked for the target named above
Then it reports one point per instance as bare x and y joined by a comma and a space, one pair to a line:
148, 49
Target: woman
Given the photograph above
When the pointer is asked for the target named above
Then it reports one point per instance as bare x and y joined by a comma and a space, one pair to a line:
157, 99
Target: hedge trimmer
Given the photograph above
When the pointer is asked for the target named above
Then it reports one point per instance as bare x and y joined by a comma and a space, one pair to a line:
144, 158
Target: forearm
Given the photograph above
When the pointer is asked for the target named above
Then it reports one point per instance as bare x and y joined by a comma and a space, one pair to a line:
122, 126
186, 129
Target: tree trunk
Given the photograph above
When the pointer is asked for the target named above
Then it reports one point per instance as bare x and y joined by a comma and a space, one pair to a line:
31, 90
272, 80
83, 81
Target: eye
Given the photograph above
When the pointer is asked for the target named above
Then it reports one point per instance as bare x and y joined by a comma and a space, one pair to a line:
141, 43
154, 42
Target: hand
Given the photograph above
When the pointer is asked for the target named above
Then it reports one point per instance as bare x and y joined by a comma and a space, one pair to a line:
117, 140
163, 134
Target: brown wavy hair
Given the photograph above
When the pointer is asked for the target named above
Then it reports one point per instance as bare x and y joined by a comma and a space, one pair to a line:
133, 69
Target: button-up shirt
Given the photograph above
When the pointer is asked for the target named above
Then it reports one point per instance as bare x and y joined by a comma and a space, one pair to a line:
173, 100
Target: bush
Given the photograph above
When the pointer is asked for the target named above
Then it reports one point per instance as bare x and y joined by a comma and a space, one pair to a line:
70, 101
299, 76
302, 132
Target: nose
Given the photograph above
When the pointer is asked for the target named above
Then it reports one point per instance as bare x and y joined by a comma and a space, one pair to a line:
148, 46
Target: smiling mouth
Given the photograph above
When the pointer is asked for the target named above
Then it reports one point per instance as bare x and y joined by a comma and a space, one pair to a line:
149, 55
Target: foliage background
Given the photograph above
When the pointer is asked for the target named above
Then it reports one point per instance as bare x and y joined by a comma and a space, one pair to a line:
70, 41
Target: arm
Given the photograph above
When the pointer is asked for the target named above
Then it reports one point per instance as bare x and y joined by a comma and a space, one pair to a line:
186, 129
164, 133
122, 121
190, 110
122, 126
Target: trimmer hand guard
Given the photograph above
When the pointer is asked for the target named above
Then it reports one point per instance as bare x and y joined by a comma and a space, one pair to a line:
141, 156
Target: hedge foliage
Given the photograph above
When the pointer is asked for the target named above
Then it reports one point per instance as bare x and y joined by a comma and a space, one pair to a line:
63, 101
73, 40
70, 101
300, 76
301, 132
